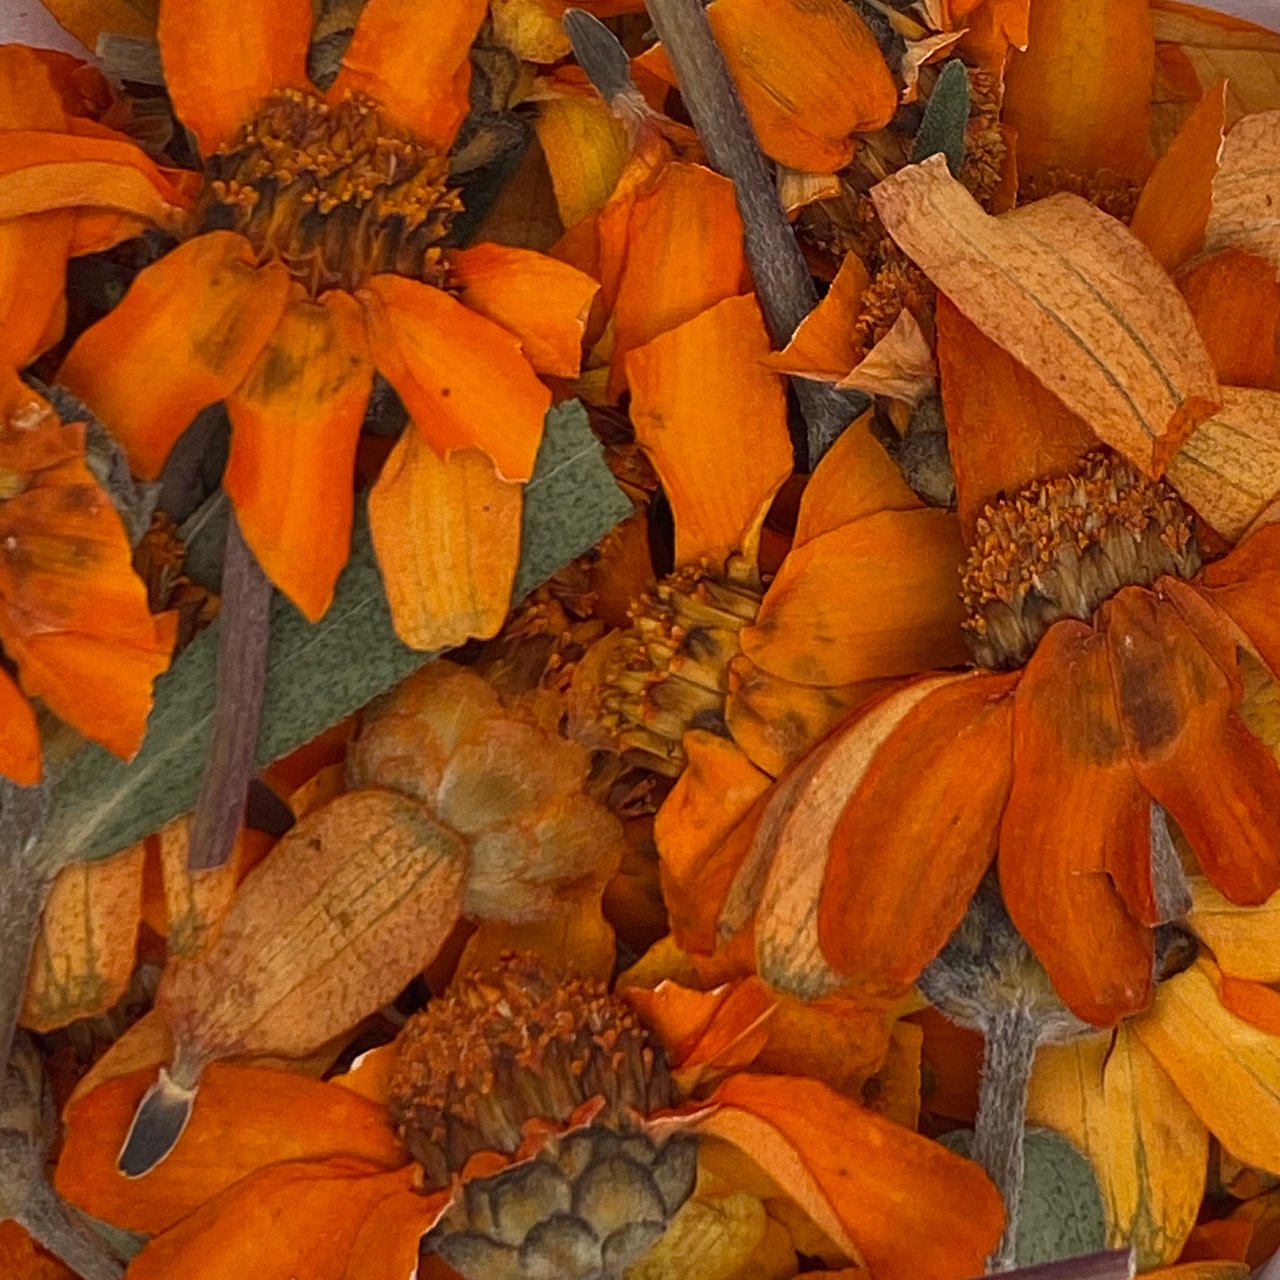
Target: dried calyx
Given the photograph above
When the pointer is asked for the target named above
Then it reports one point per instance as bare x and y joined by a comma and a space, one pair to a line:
334, 191
1060, 547
669, 671
514, 1045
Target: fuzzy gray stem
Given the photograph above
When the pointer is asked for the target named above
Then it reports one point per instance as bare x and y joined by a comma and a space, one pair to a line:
1012, 1037
783, 285
1111, 1264
52, 1224
23, 888
243, 622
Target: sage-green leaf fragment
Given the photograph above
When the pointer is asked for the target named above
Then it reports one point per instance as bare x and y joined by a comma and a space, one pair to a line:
1061, 1211
316, 673
945, 118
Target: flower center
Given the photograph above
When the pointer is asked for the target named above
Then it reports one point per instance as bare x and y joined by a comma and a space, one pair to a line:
514, 1045
1061, 547
670, 669
333, 191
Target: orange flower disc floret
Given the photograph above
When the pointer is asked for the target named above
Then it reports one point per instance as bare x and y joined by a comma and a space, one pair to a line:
1060, 547
516, 1045
334, 191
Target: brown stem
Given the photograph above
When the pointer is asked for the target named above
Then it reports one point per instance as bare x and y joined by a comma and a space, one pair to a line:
1110, 1264
243, 619
783, 284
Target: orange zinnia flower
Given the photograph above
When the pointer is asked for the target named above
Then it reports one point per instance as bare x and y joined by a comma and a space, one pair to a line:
316, 256
476, 1127
73, 614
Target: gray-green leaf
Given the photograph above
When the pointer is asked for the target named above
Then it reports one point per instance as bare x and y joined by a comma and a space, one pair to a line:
945, 118
317, 674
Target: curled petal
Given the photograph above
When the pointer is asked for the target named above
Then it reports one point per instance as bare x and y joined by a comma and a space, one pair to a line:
1234, 297
20, 743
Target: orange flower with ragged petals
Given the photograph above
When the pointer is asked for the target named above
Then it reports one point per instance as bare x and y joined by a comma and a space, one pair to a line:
316, 256
73, 614
507, 1124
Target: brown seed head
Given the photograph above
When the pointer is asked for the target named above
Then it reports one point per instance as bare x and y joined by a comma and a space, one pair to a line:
1061, 547
512, 1045
333, 191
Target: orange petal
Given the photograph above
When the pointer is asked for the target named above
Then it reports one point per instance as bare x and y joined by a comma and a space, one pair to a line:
20, 742
854, 479
294, 1219
1004, 428
412, 59
713, 421
542, 302
1173, 209
1078, 97
1189, 747
1058, 284
682, 241
695, 825
1075, 858
22, 1259
295, 420
184, 337
919, 828
370, 1074
1245, 585
873, 598
33, 274
810, 74
244, 1119
1245, 941
902, 1203
32, 99
389, 1240
995, 27
585, 147
823, 344
464, 379
1254, 1002
219, 64
447, 535
1235, 299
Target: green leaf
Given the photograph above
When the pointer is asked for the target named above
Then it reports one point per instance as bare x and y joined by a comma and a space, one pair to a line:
945, 118
1061, 1213
316, 673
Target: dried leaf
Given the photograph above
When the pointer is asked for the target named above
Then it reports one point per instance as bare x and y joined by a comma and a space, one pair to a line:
945, 117
1229, 469
1246, 192
1069, 293
899, 366
317, 673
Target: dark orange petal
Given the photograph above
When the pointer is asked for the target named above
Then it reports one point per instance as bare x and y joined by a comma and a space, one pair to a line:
1255, 1002
995, 27
1245, 585
903, 1203
20, 742
464, 379
387, 1244
184, 337
823, 344
1189, 747
682, 241
295, 420
696, 833
919, 830
447, 536
1173, 209
294, 1219
1075, 856
22, 1259
32, 98
1078, 97
244, 1119
876, 597
713, 421
412, 58
220, 62
1004, 428
1235, 299
33, 274
543, 302
855, 478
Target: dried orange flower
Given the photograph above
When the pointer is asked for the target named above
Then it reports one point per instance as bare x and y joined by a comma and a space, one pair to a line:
73, 615
315, 254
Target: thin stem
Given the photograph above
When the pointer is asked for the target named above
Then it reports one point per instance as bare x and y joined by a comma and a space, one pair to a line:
783, 284
1012, 1037
23, 888
1111, 1264
243, 622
